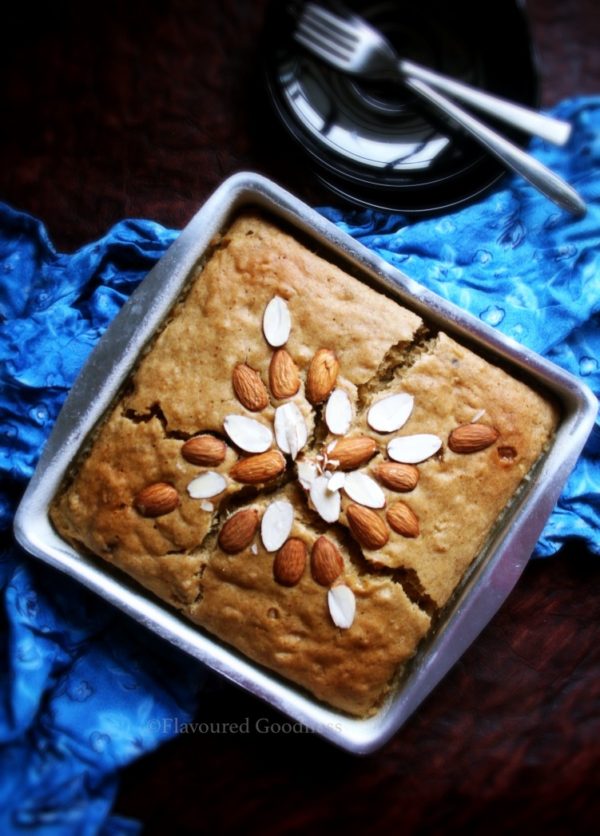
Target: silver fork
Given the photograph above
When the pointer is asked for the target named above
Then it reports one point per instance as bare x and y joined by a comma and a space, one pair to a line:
350, 44
359, 49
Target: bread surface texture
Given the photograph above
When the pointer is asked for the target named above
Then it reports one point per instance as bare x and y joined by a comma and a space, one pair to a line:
210, 555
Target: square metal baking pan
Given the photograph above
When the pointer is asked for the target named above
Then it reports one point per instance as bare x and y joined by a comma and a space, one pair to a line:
492, 576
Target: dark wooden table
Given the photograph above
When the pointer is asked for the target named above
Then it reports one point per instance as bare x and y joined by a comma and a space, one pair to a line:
113, 110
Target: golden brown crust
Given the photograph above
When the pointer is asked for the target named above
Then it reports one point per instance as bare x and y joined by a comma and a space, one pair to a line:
183, 387
459, 497
188, 372
290, 631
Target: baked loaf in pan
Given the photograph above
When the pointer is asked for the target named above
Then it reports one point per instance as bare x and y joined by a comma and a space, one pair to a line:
303, 467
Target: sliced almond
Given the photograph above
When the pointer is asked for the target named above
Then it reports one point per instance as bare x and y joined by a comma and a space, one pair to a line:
363, 489
307, 473
291, 432
367, 527
255, 470
338, 412
397, 476
289, 563
207, 485
471, 438
251, 392
156, 499
342, 606
336, 481
277, 322
284, 380
403, 519
276, 524
351, 453
391, 413
248, 433
412, 449
237, 531
322, 374
326, 562
326, 503
204, 450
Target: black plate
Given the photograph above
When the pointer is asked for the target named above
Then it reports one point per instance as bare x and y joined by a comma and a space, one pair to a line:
375, 143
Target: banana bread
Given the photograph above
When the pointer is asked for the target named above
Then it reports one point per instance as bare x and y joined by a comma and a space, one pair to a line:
303, 467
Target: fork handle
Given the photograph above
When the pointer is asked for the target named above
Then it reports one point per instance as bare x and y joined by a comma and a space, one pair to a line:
537, 124
546, 181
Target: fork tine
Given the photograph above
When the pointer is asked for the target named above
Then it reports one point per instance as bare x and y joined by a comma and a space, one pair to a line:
326, 51
320, 28
329, 22
323, 37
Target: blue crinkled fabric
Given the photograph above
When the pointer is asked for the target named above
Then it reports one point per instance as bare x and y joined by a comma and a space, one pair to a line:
83, 690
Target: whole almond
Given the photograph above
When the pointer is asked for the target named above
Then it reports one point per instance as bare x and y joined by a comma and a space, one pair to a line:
471, 438
284, 380
237, 531
322, 374
289, 563
353, 452
249, 388
204, 450
326, 562
396, 476
260, 468
403, 519
156, 499
367, 526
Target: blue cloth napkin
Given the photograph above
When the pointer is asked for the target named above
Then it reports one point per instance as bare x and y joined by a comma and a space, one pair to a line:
84, 690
